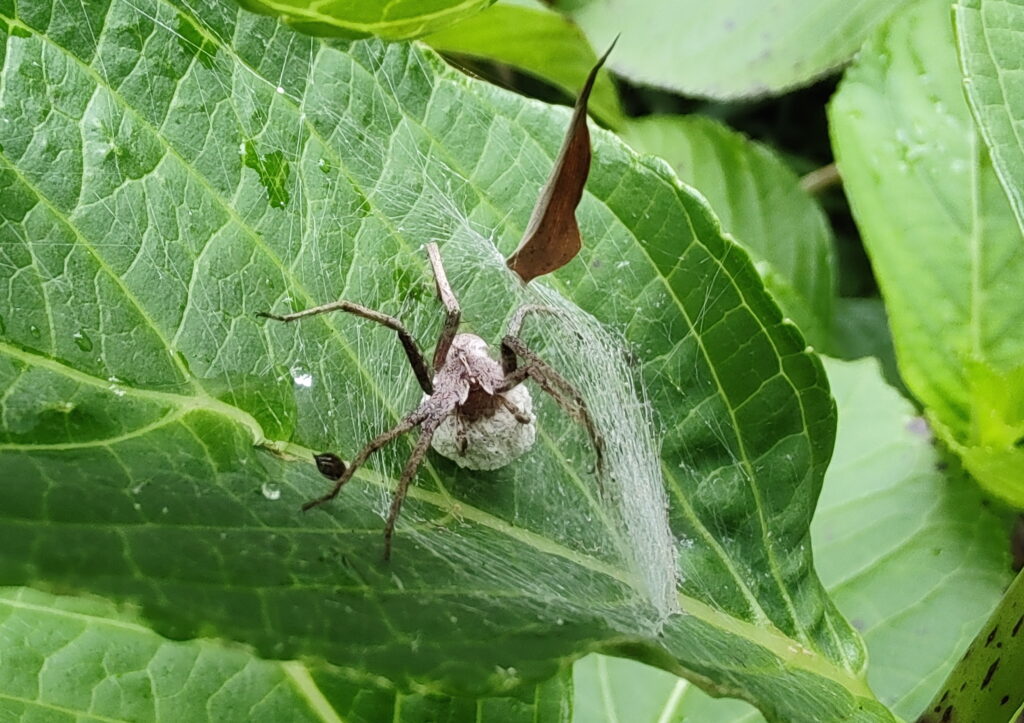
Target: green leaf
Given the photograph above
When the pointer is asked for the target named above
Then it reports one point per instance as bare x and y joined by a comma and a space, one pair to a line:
985, 685
528, 35
943, 240
74, 658
886, 515
761, 204
165, 461
609, 690
731, 48
124, 671
860, 329
989, 35
359, 19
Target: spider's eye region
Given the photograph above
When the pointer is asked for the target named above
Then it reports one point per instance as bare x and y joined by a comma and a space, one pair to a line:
330, 465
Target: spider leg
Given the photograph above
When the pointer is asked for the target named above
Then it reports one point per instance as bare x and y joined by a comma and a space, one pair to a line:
418, 453
516, 412
461, 441
557, 386
508, 355
451, 305
412, 351
410, 421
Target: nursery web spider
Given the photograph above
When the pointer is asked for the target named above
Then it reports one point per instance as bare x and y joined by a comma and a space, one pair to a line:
478, 408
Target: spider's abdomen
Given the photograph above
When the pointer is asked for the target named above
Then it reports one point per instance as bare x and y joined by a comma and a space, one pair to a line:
492, 441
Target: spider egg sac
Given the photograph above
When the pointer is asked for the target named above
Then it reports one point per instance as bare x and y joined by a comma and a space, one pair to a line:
491, 442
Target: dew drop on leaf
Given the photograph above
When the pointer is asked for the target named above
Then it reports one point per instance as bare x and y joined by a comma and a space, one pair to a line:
270, 491
301, 377
34, 330
82, 340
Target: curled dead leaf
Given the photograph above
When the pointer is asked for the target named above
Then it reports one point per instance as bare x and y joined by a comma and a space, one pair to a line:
552, 238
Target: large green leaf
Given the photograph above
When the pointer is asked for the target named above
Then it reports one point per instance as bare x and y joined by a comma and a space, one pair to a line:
530, 36
360, 18
76, 659
124, 671
161, 184
887, 514
730, 48
760, 203
942, 238
989, 35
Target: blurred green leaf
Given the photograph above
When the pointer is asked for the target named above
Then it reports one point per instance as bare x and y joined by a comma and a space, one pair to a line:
760, 203
529, 36
168, 171
990, 34
942, 238
397, 20
886, 515
611, 690
986, 682
860, 329
730, 48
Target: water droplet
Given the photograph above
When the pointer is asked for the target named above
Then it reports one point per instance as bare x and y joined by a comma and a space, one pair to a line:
82, 340
34, 330
324, 165
301, 377
270, 491
280, 90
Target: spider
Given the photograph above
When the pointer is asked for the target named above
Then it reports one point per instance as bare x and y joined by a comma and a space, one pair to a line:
475, 410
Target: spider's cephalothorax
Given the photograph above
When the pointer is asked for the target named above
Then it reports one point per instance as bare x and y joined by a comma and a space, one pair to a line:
475, 410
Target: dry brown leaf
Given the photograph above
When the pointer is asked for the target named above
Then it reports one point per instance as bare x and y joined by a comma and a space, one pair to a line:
552, 238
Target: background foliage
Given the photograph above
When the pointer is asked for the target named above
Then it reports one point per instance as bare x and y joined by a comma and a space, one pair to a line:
167, 169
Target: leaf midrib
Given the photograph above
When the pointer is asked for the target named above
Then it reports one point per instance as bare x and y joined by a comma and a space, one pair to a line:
419, 20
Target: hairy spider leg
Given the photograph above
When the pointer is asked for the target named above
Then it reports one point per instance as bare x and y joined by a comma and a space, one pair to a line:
407, 423
451, 305
461, 440
515, 326
412, 351
418, 453
557, 386
515, 411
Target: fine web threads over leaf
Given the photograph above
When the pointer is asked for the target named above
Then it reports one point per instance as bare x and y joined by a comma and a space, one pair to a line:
627, 493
